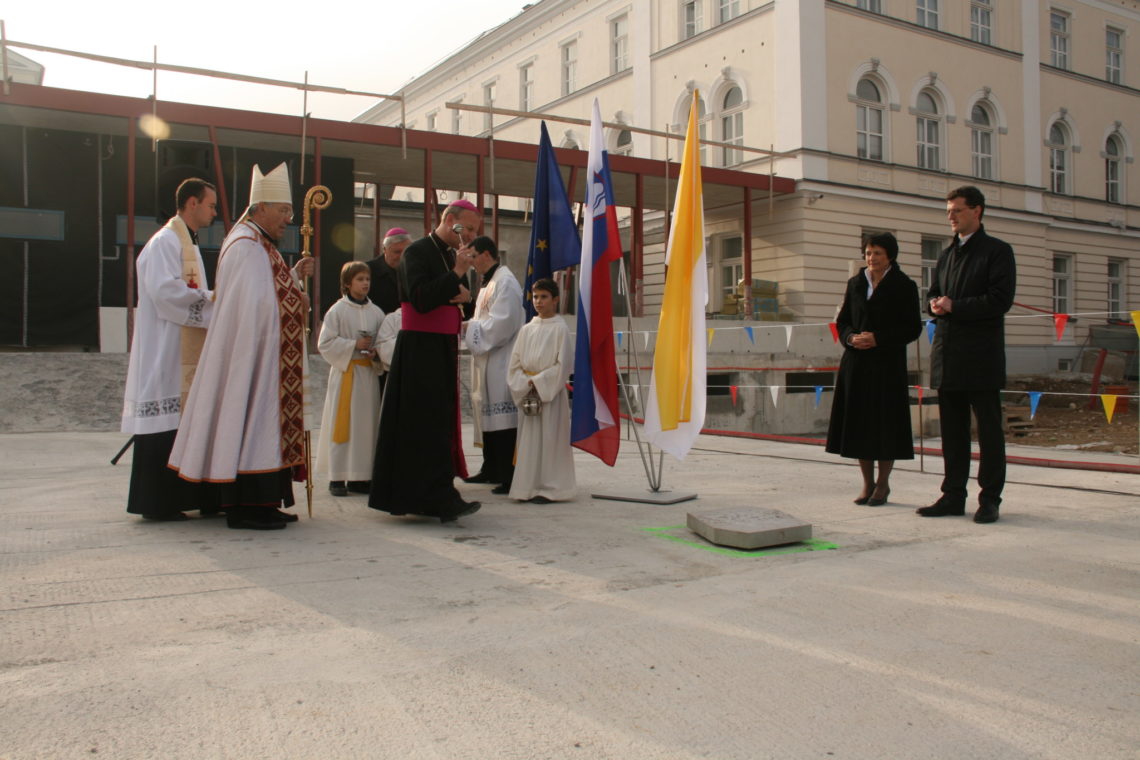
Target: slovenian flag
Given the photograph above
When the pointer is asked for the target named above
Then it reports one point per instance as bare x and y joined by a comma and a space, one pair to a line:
554, 242
675, 411
594, 415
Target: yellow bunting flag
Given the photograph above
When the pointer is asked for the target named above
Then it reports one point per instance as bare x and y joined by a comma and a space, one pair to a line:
710, 332
1109, 402
1136, 321
675, 411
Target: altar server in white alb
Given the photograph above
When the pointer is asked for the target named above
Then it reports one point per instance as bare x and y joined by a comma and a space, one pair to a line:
170, 322
540, 366
348, 342
489, 335
242, 431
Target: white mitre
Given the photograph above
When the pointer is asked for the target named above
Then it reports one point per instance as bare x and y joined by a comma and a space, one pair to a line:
270, 188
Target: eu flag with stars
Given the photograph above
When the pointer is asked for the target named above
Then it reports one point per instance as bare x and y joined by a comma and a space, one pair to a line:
554, 241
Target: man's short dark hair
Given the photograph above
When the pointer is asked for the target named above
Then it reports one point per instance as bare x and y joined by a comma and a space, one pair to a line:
191, 188
886, 241
484, 244
547, 284
971, 195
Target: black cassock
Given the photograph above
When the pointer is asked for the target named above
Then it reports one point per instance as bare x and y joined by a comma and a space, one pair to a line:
418, 452
870, 413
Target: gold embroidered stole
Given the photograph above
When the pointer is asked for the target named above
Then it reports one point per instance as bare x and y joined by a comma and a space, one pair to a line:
192, 338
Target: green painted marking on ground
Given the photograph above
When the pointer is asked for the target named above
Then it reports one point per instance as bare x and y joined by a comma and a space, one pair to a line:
811, 545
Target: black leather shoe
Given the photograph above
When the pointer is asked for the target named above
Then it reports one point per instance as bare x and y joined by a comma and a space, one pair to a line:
254, 523
464, 508
337, 488
941, 508
501, 489
166, 517
286, 517
861, 500
875, 501
987, 513
478, 477
540, 499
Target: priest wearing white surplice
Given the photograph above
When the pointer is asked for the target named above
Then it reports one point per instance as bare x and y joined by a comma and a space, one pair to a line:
242, 430
489, 335
540, 366
174, 309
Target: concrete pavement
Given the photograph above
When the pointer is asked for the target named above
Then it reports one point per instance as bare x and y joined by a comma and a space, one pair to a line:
578, 630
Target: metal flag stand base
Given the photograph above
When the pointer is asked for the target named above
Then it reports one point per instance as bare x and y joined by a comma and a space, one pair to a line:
661, 498
653, 472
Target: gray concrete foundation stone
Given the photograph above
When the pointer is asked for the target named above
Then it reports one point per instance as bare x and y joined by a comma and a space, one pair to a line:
748, 527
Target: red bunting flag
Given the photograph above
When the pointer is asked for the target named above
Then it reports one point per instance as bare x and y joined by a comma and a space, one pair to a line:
919, 389
732, 392
1059, 322
834, 331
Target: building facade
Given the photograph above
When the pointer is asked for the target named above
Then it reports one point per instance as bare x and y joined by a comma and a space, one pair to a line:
876, 108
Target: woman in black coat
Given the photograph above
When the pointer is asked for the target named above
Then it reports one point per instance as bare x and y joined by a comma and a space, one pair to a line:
870, 414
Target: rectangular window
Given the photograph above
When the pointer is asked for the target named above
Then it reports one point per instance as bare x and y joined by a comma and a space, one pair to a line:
692, 18
1113, 54
431, 122
1116, 306
870, 5
619, 44
1062, 283
928, 143
1112, 179
1058, 169
457, 120
489, 101
1059, 39
927, 13
981, 21
869, 132
931, 249
731, 268
732, 131
569, 67
982, 147
729, 9
526, 87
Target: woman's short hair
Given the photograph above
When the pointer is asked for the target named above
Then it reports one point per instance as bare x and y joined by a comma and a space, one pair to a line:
547, 284
886, 241
348, 273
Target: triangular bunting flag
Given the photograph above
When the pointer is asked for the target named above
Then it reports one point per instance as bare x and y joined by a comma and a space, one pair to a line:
732, 392
787, 337
1059, 322
775, 391
646, 334
752, 338
919, 389
619, 335
818, 393
1109, 401
1034, 399
834, 331
1136, 321
710, 332
930, 327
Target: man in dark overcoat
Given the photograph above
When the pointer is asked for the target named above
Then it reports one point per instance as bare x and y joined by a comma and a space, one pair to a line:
971, 290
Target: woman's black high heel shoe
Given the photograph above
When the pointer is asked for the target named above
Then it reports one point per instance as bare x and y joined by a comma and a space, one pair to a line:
878, 502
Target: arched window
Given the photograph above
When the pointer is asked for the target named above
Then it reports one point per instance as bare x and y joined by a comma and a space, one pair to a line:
982, 141
732, 125
1058, 145
869, 120
1113, 155
623, 145
929, 131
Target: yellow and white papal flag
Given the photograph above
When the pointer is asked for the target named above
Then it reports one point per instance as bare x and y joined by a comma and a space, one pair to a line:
675, 410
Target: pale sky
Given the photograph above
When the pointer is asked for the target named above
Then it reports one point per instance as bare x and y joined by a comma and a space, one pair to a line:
374, 46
